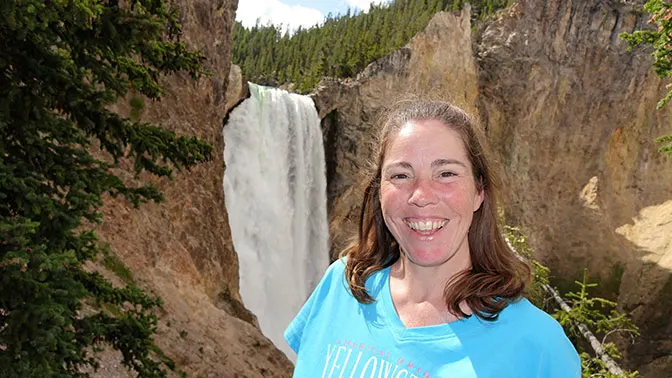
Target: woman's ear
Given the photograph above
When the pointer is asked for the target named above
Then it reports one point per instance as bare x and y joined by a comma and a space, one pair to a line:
480, 194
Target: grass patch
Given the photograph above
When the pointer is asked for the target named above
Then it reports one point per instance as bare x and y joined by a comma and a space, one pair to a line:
112, 263
612, 283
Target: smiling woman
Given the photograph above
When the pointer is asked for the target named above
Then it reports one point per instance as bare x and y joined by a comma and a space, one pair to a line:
428, 196
430, 288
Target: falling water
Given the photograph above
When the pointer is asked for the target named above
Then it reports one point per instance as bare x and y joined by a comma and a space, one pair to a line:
275, 191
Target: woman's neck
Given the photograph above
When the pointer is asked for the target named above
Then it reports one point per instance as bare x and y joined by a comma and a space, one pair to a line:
418, 291
425, 283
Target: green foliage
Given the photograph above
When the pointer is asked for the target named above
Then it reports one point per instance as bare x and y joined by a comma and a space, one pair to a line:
668, 147
343, 46
137, 107
660, 38
593, 367
600, 316
480, 8
592, 312
62, 63
535, 292
112, 263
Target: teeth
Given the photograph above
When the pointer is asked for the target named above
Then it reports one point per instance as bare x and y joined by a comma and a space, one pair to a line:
427, 226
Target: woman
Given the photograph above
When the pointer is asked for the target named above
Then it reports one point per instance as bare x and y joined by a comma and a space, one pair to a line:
430, 288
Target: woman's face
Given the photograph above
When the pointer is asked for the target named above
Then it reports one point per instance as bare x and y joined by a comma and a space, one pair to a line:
428, 194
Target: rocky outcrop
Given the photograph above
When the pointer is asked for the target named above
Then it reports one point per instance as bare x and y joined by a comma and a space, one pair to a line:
571, 117
181, 249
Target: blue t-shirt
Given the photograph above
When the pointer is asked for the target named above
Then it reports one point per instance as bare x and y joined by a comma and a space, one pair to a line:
336, 336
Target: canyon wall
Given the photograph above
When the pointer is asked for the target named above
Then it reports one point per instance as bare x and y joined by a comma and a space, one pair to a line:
181, 249
572, 115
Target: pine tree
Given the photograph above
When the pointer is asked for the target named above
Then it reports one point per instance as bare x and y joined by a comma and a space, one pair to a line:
62, 64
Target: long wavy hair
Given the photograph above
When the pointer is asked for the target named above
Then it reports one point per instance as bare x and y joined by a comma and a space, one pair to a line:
497, 275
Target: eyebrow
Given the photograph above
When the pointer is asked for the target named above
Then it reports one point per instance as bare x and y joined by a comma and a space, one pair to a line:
435, 163
440, 162
401, 164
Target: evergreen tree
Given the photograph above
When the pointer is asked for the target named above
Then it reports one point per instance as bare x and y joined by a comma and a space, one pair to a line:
62, 63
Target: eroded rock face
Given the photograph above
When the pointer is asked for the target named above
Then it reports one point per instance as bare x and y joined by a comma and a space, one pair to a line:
571, 117
181, 249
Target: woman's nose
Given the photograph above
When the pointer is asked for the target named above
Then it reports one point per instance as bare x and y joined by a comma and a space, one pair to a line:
423, 194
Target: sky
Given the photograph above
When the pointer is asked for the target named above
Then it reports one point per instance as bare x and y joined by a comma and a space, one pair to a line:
295, 13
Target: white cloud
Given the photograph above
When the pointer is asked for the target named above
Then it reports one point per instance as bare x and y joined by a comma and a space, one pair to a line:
276, 12
364, 5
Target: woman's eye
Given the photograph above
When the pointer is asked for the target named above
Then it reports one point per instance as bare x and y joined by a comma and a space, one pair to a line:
447, 174
399, 176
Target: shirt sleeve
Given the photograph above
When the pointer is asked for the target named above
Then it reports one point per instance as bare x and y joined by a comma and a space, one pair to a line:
294, 333
542, 349
564, 366
559, 358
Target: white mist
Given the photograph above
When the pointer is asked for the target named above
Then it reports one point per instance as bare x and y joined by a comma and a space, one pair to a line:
275, 194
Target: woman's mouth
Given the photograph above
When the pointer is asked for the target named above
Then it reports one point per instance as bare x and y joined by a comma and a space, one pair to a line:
427, 227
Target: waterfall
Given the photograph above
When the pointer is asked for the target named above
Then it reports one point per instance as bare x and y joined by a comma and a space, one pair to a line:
275, 194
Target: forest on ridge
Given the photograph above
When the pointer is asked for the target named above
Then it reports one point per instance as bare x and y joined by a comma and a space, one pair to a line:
342, 46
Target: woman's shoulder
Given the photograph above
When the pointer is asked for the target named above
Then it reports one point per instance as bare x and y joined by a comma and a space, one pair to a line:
337, 267
535, 327
532, 339
523, 307
521, 311
335, 275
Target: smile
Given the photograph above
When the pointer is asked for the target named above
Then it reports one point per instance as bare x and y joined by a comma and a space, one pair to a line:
427, 226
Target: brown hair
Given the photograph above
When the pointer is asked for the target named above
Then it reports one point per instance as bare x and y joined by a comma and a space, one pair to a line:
497, 274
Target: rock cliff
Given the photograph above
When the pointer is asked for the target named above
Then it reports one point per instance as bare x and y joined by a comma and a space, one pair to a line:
571, 117
181, 249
